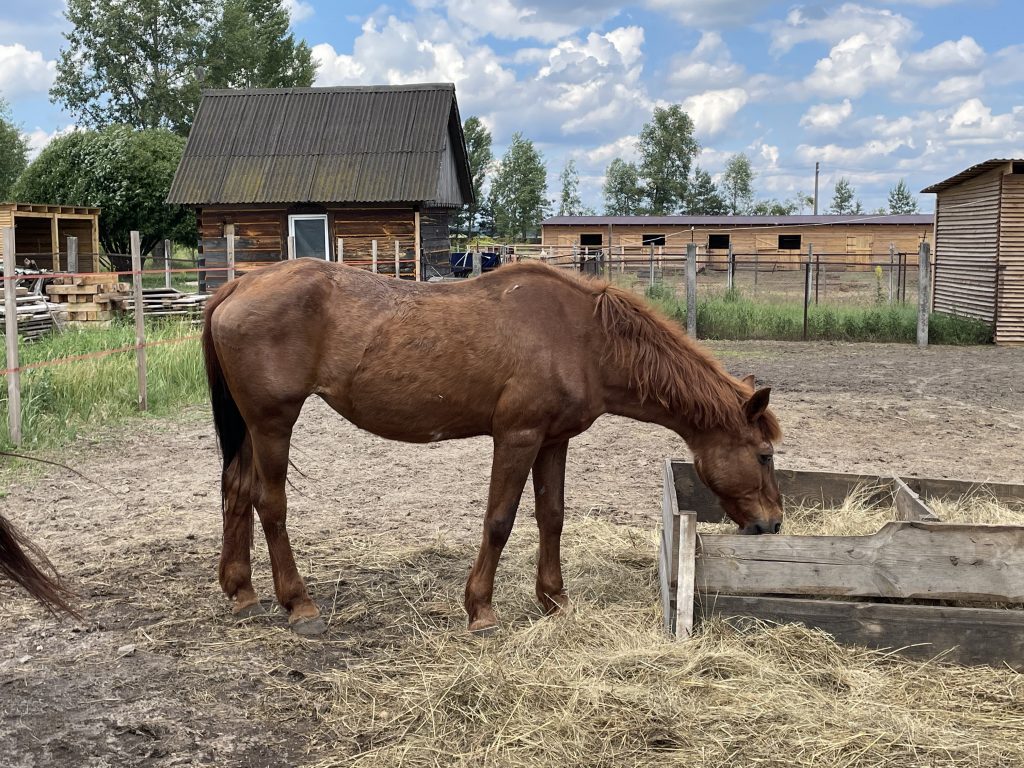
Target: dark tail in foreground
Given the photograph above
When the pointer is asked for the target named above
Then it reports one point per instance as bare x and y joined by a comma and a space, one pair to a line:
25, 564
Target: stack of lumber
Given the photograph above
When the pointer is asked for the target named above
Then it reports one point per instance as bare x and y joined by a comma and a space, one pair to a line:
164, 302
34, 315
86, 298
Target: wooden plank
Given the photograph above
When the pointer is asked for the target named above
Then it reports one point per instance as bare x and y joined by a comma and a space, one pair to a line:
11, 340
965, 635
909, 505
981, 563
140, 327
930, 488
686, 585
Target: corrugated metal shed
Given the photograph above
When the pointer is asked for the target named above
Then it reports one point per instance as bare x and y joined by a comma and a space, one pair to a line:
915, 219
366, 144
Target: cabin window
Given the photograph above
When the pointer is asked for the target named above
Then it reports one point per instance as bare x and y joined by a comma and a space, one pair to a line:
789, 242
310, 233
718, 242
1017, 168
652, 239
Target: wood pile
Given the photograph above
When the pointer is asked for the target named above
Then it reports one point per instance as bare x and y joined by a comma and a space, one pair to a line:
34, 315
86, 298
164, 302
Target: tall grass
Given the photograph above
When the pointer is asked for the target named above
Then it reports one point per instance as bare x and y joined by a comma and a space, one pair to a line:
64, 401
732, 316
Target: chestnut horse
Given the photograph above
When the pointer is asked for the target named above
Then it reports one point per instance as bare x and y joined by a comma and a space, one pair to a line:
40, 580
526, 354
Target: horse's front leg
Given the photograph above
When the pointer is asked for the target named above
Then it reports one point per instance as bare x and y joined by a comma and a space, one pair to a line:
549, 492
514, 453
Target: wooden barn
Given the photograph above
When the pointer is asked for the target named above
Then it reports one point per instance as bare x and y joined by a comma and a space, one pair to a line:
979, 246
41, 234
333, 170
781, 239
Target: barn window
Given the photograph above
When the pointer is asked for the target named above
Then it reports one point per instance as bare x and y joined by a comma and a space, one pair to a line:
789, 242
718, 242
597, 240
310, 233
1017, 168
652, 239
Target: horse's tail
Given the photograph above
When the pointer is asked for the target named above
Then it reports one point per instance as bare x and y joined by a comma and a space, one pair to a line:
16, 562
232, 432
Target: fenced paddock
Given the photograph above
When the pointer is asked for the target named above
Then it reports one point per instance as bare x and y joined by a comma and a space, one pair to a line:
918, 586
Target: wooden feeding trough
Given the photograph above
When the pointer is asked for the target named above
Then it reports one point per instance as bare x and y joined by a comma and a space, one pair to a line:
918, 586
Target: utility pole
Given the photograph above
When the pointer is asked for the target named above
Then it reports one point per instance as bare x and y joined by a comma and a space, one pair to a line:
817, 167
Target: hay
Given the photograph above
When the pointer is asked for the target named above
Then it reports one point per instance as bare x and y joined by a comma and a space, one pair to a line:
606, 687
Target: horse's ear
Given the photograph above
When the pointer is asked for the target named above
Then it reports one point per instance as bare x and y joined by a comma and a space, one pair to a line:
757, 404
749, 380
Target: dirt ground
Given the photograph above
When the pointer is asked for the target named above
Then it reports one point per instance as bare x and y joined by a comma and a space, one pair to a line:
159, 674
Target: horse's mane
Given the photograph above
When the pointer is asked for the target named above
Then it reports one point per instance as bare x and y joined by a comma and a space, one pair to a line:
667, 365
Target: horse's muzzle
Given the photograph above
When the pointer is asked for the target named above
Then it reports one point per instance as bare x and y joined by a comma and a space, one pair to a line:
756, 529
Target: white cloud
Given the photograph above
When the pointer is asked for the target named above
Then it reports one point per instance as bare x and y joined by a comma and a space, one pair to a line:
949, 56
953, 88
770, 154
826, 116
713, 111
708, 65
624, 147
38, 139
298, 10
703, 14
516, 19
854, 65
804, 24
973, 120
23, 71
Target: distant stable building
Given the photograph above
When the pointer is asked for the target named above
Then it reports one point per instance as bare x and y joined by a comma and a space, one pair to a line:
781, 239
336, 169
41, 235
979, 246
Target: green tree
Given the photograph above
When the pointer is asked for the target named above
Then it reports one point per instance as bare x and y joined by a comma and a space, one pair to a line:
703, 198
623, 195
667, 149
126, 173
569, 202
901, 200
13, 151
738, 185
844, 198
143, 63
478, 147
773, 207
518, 194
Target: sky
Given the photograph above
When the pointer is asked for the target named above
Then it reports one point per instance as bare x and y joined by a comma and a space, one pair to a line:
874, 90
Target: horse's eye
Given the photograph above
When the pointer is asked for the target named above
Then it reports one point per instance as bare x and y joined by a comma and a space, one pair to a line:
765, 459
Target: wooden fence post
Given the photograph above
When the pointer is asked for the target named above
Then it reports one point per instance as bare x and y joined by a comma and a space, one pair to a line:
291, 247
650, 266
730, 270
398, 261
341, 250
229, 239
373, 251
756, 270
892, 265
140, 326
72, 264
924, 278
11, 331
478, 263
691, 289
167, 263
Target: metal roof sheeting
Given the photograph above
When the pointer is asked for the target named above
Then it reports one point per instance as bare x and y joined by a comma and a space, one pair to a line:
366, 144
915, 219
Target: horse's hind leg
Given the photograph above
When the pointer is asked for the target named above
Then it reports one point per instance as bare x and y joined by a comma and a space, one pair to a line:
235, 566
270, 450
549, 492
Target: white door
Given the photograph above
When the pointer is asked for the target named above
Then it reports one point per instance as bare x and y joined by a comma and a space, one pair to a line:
310, 233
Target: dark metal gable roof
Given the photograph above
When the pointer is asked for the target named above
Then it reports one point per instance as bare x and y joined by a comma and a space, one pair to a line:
363, 144
969, 173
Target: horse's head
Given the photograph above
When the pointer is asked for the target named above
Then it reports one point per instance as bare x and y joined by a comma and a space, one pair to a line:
739, 467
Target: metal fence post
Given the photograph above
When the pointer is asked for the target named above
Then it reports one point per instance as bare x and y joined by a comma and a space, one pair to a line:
691, 289
398, 261
11, 331
807, 285
373, 256
756, 270
478, 263
892, 264
924, 286
650, 262
229, 234
140, 326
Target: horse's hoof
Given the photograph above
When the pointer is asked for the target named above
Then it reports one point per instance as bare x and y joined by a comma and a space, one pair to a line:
309, 627
556, 605
483, 628
249, 611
